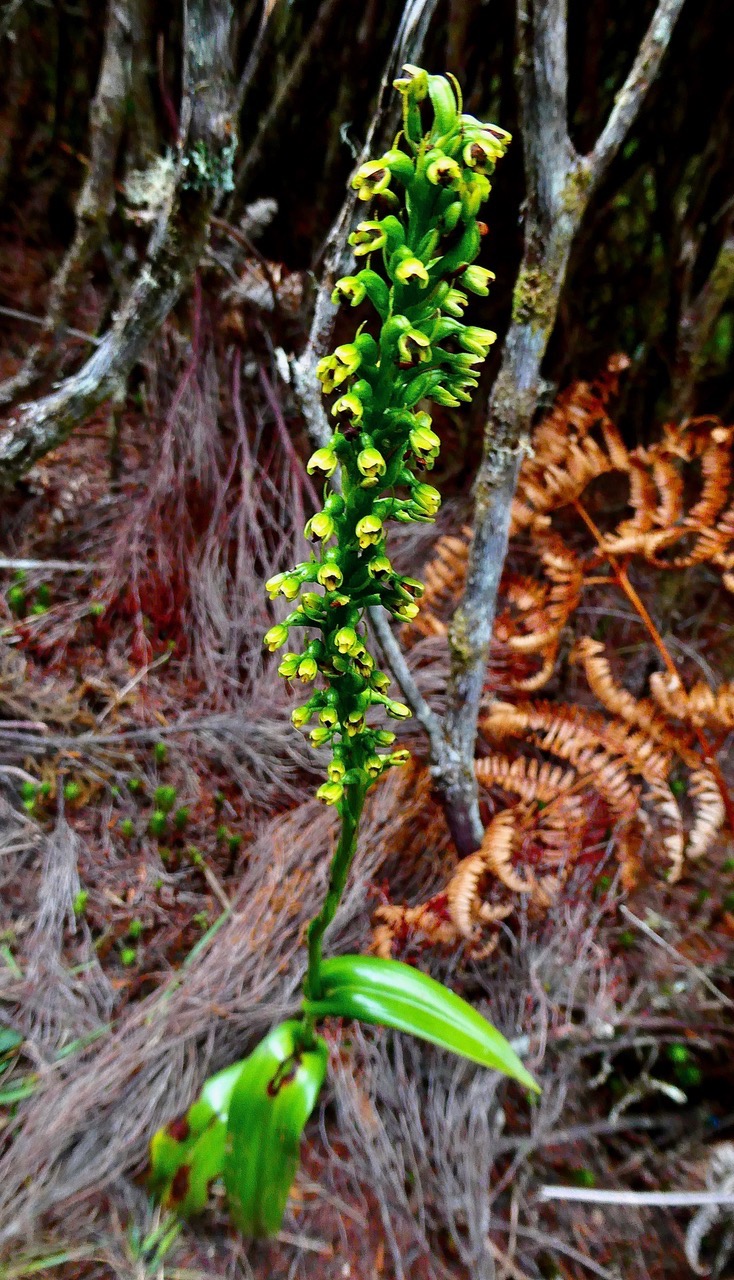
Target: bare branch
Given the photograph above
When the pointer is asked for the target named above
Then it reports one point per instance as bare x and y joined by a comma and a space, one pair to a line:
632, 94
697, 322
205, 157
97, 196
559, 183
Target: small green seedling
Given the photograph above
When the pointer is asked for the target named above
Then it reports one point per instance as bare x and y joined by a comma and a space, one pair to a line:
160, 753
134, 786
158, 823
127, 828
180, 818
164, 798
80, 902
96, 608
135, 929
72, 791
128, 956
16, 599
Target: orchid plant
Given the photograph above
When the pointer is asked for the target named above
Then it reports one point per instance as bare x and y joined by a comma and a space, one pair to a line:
418, 248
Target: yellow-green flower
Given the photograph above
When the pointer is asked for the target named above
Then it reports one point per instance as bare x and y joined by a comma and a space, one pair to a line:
330, 792
369, 530
370, 179
476, 340
276, 637
424, 442
372, 465
410, 270
368, 238
349, 289
398, 710
444, 172
349, 407
346, 639
323, 460
307, 669
414, 348
319, 526
301, 715
329, 576
289, 665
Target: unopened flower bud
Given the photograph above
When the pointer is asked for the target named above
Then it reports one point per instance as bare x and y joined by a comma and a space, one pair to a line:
384, 737
476, 340
289, 665
476, 280
427, 498
320, 736
398, 710
301, 715
454, 303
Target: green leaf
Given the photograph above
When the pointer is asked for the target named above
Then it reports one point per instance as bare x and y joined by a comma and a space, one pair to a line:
393, 994
188, 1153
272, 1100
9, 1040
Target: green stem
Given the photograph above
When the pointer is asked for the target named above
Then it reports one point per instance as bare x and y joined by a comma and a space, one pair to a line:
351, 812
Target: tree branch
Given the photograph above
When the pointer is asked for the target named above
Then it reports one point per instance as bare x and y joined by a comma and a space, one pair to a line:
204, 167
559, 184
632, 94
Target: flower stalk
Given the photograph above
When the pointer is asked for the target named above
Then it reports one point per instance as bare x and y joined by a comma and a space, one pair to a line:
419, 246
410, 349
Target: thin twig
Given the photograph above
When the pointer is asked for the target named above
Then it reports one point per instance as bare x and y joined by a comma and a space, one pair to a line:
638, 1199
48, 566
13, 314
675, 953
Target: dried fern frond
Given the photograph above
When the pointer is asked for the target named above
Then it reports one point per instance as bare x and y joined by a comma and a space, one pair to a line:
709, 813
701, 706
